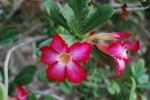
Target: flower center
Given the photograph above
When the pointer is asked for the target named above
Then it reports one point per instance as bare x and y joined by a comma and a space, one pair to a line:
65, 58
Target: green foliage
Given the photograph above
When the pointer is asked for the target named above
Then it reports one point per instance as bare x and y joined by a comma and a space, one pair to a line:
77, 6
12, 88
66, 87
8, 38
71, 19
1, 77
42, 76
103, 13
133, 88
2, 92
32, 96
53, 12
48, 98
25, 76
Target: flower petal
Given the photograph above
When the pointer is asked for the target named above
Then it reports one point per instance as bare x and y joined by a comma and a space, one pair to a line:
49, 56
58, 44
133, 47
80, 51
56, 72
21, 94
75, 72
118, 50
120, 65
122, 35
102, 47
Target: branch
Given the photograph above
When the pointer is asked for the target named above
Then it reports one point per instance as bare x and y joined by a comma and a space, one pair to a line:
132, 9
35, 27
15, 7
6, 62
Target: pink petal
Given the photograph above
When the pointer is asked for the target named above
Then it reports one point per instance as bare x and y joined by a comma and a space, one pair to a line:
133, 47
118, 74
58, 44
75, 72
49, 56
122, 35
56, 72
21, 94
120, 65
102, 47
117, 50
80, 51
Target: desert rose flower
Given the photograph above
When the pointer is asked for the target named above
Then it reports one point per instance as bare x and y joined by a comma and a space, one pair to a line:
117, 49
21, 93
64, 62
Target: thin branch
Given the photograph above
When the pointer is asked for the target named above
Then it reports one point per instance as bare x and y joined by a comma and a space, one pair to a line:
132, 9
6, 62
35, 27
15, 7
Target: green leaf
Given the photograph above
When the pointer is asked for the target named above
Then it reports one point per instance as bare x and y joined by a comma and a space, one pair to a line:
25, 76
133, 88
51, 31
12, 88
103, 13
77, 7
66, 87
42, 76
145, 85
8, 38
108, 60
53, 12
71, 19
116, 87
2, 92
139, 69
48, 98
32, 96
1, 77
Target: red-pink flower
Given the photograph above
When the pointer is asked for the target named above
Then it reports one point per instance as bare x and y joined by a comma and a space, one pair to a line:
63, 62
21, 94
118, 51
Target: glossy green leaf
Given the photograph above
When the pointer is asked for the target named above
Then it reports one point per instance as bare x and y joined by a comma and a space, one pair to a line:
12, 88
108, 60
25, 76
42, 76
2, 92
77, 7
48, 98
145, 85
132, 91
66, 87
116, 87
1, 77
71, 19
54, 13
8, 38
32, 96
103, 13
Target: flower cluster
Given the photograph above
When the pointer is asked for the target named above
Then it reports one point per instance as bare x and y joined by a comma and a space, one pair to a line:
63, 61
21, 94
117, 49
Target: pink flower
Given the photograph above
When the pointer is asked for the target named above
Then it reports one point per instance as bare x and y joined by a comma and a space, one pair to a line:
118, 51
21, 94
63, 62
